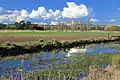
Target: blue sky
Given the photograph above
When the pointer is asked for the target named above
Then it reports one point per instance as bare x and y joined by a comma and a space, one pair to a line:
103, 11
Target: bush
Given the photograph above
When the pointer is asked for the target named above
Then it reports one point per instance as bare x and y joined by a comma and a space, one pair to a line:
111, 27
116, 60
56, 43
47, 46
41, 40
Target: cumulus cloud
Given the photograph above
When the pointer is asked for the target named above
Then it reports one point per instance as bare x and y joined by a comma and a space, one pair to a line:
43, 13
3, 11
72, 11
23, 15
94, 20
9, 15
53, 15
38, 13
13, 15
75, 11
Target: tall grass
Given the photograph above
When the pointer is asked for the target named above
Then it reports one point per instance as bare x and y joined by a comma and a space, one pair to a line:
90, 64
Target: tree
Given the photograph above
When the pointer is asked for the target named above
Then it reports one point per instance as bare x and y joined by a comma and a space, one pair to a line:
22, 25
38, 27
28, 25
2, 26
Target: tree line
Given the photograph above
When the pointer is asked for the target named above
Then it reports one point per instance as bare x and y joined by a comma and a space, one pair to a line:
22, 25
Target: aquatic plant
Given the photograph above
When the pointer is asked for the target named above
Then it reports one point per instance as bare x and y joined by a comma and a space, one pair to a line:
116, 60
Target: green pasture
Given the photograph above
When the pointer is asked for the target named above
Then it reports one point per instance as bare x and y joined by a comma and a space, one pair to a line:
48, 32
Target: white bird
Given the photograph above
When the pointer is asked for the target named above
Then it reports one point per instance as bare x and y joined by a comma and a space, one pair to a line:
75, 50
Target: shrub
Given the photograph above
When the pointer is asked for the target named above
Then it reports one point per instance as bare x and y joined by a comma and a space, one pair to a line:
41, 40
7, 43
111, 27
56, 43
116, 60
47, 45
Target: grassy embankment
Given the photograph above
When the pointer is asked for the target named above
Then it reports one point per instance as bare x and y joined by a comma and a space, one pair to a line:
15, 49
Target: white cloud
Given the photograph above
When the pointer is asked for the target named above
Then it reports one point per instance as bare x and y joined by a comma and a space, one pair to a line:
13, 15
9, 15
75, 11
41, 12
23, 15
41, 23
72, 11
53, 15
112, 20
94, 20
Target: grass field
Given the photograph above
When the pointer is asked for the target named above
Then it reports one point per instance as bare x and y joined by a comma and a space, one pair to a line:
16, 36
27, 32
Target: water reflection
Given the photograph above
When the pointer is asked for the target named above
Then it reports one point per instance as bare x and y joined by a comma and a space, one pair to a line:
50, 59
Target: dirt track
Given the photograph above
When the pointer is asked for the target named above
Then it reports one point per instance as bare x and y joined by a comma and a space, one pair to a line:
24, 38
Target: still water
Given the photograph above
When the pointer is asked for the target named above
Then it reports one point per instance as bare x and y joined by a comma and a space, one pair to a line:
44, 60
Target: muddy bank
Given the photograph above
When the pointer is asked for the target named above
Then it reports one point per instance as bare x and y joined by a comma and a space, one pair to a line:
9, 49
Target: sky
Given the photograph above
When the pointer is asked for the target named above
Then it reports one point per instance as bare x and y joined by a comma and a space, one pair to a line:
47, 11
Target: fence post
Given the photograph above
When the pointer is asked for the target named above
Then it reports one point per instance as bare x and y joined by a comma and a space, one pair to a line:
108, 34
